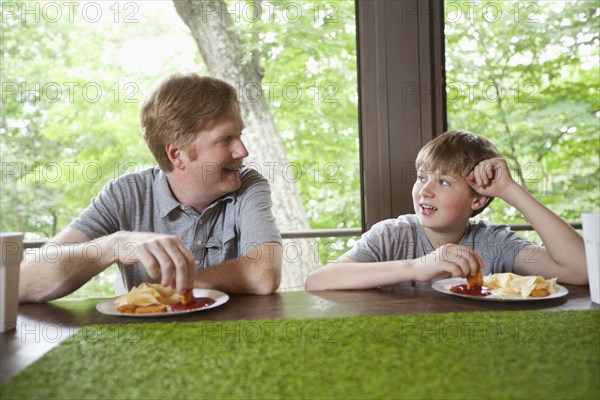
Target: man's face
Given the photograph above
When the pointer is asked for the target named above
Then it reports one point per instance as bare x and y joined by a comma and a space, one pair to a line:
442, 203
215, 158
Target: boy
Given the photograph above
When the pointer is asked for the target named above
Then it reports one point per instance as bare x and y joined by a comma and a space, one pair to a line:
458, 175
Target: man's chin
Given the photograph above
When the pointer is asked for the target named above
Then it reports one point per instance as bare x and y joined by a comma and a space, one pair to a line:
232, 184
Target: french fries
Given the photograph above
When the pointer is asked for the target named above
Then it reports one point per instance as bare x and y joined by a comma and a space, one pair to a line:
147, 298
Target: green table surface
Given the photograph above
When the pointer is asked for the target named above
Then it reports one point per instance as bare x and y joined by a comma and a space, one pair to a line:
506, 354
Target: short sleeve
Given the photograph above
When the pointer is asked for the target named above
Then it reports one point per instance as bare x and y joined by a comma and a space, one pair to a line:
498, 246
392, 239
255, 215
100, 218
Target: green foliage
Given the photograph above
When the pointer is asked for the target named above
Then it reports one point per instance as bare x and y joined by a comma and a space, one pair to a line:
526, 76
308, 53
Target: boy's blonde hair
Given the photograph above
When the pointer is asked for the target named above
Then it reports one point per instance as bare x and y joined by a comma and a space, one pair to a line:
182, 106
456, 153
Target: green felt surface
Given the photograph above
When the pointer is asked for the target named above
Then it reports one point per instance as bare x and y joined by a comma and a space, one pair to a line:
528, 355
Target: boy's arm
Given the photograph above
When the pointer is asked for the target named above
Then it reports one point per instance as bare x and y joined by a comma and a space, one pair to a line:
347, 273
563, 255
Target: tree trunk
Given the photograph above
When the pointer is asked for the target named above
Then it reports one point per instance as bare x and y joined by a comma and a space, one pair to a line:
222, 52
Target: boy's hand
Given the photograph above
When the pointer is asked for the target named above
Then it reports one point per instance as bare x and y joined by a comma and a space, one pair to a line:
491, 177
449, 259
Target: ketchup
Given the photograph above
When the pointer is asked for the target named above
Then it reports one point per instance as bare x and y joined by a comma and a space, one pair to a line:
479, 291
199, 302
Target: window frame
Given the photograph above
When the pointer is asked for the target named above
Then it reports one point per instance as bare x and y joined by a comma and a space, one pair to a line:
402, 99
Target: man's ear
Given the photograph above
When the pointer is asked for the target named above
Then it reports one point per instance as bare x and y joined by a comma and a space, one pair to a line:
175, 156
480, 201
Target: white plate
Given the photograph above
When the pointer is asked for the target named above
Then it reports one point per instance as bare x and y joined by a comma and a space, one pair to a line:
444, 286
109, 307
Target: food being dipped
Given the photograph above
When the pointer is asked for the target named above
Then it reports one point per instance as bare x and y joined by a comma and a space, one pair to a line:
507, 285
153, 298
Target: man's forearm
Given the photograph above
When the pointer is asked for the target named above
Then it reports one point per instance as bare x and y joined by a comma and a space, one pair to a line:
259, 272
56, 270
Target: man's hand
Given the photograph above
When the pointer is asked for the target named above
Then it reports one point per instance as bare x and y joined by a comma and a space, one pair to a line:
491, 177
163, 256
449, 259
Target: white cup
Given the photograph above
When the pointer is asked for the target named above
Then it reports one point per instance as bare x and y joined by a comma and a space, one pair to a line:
11, 244
591, 236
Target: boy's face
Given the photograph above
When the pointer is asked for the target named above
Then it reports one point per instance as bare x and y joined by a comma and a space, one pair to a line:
442, 203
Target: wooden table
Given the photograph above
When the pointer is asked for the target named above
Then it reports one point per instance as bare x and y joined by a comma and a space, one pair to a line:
41, 327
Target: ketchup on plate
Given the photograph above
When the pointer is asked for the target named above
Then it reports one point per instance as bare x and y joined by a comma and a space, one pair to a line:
479, 291
198, 302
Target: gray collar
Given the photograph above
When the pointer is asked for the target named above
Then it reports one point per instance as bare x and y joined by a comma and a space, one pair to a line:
167, 202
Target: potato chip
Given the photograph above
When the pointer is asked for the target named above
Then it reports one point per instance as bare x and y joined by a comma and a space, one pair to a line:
512, 285
148, 294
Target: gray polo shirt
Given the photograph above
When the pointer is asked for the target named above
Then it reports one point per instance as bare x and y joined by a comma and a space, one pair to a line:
230, 227
404, 238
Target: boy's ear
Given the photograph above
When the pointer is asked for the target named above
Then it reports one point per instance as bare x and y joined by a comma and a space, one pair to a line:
480, 201
175, 156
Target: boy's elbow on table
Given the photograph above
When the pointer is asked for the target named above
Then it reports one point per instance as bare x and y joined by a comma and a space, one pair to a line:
314, 280
310, 283
579, 277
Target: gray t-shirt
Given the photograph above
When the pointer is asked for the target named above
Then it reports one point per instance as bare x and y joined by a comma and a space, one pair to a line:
404, 238
230, 227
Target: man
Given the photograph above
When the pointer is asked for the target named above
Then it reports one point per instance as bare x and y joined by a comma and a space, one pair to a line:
198, 220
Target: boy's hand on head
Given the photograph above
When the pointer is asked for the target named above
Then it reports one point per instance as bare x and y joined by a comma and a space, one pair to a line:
490, 177
449, 259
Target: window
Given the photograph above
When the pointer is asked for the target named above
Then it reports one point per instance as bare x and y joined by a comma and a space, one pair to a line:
411, 79
525, 74
72, 95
